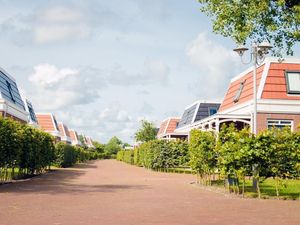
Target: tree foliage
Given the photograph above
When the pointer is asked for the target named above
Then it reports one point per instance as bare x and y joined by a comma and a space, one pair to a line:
113, 146
202, 152
147, 132
277, 21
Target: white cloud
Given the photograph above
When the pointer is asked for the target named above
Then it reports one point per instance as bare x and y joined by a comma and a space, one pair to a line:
216, 65
60, 24
48, 75
55, 88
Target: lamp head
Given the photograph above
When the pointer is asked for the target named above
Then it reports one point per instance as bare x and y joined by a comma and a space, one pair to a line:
240, 50
263, 48
265, 45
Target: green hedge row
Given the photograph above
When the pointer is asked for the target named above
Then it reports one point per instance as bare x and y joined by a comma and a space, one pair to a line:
23, 149
26, 151
67, 155
157, 154
238, 154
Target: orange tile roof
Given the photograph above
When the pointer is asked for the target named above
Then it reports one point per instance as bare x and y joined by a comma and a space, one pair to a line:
271, 78
168, 126
247, 91
46, 122
275, 85
73, 135
63, 129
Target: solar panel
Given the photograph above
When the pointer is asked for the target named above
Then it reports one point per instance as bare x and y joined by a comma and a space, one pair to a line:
9, 90
187, 116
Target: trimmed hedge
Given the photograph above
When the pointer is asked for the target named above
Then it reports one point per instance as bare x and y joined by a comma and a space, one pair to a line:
157, 154
26, 151
67, 155
24, 148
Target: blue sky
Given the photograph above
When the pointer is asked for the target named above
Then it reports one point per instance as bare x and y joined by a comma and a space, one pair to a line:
102, 66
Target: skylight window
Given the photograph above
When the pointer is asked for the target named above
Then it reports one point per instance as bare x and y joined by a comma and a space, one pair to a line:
239, 92
10, 91
293, 82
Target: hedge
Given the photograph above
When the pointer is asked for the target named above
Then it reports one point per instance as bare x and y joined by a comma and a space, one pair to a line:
26, 151
67, 155
23, 148
157, 154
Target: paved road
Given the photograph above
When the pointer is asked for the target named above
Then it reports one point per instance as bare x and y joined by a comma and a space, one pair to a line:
113, 193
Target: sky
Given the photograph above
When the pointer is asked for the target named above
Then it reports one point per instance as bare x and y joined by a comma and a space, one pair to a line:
103, 66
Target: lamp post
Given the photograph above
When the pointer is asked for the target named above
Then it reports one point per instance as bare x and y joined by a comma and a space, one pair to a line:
258, 53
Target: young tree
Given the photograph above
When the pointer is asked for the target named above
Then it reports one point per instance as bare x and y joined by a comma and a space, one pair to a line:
202, 153
113, 146
147, 132
256, 20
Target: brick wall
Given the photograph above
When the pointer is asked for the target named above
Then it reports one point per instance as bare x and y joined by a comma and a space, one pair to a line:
263, 117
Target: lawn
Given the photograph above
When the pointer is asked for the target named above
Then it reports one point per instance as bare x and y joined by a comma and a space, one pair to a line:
288, 189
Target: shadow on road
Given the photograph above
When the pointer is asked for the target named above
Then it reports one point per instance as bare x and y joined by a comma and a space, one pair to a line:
61, 181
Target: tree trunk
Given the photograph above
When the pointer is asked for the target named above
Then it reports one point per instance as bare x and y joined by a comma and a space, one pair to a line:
258, 188
276, 186
243, 190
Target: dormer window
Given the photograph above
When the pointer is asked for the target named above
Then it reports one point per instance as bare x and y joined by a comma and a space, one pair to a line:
239, 92
292, 82
212, 111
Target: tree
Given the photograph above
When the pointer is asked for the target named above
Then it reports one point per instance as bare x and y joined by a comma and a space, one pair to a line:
99, 147
257, 20
113, 146
147, 132
202, 153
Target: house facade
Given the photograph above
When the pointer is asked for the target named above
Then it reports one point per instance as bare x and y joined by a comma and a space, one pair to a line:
48, 123
74, 138
11, 103
167, 129
194, 113
278, 98
64, 133
32, 119
88, 141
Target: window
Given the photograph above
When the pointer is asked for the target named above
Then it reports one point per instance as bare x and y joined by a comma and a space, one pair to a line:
55, 122
212, 111
32, 114
293, 82
280, 123
239, 92
10, 91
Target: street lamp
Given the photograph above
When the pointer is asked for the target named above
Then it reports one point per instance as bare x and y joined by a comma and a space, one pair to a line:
258, 52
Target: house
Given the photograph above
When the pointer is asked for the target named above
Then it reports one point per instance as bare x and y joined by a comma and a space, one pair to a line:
11, 103
167, 129
75, 138
194, 113
64, 133
48, 123
88, 141
278, 98
32, 119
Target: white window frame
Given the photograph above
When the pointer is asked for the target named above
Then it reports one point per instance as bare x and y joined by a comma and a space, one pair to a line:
279, 122
289, 91
212, 107
239, 92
